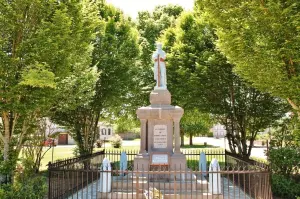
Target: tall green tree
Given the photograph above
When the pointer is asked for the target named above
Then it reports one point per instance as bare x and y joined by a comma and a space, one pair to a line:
114, 55
194, 123
151, 26
200, 77
42, 45
261, 39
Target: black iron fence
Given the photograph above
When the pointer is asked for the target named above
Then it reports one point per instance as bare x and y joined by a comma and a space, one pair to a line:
81, 178
233, 160
192, 156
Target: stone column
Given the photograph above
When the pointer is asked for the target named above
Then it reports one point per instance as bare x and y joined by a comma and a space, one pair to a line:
177, 135
143, 136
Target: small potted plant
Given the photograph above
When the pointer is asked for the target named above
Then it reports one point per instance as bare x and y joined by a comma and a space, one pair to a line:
116, 141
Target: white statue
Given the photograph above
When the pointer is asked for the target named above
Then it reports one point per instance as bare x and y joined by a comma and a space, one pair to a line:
160, 75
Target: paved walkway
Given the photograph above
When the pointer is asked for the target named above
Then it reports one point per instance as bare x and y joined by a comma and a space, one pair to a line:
230, 191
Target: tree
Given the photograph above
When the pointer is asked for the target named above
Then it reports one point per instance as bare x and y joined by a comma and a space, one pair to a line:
151, 26
114, 54
201, 78
194, 123
42, 45
260, 39
286, 132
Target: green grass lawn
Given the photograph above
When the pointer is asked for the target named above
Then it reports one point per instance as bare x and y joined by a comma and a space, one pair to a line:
197, 146
67, 151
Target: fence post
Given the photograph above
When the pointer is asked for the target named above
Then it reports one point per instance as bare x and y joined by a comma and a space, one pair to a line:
105, 176
49, 181
202, 164
214, 177
123, 163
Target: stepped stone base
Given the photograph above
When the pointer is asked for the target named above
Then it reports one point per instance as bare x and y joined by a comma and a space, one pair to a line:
134, 187
160, 97
140, 195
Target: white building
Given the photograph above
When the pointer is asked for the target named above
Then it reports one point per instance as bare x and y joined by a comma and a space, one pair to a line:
219, 131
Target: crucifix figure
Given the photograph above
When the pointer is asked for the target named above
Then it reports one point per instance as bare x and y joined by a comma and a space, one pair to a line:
160, 76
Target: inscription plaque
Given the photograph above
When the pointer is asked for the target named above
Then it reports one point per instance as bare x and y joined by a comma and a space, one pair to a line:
160, 159
160, 136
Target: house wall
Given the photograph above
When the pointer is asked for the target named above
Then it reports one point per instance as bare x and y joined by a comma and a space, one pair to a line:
219, 131
71, 141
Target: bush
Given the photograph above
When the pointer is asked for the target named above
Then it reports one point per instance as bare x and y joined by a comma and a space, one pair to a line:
33, 188
116, 141
210, 134
284, 161
286, 188
98, 143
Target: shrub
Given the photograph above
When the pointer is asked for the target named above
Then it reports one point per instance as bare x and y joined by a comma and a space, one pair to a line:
286, 188
284, 161
116, 141
260, 160
210, 134
33, 188
98, 143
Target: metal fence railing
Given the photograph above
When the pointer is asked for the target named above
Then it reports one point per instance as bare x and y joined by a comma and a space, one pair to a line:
233, 160
80, 178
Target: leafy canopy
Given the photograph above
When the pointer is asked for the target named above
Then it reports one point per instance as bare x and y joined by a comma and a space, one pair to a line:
261, 38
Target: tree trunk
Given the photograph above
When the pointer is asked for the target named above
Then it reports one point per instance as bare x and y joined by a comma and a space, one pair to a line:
294, 106
181, 138
191, 139
5, 119
250, 147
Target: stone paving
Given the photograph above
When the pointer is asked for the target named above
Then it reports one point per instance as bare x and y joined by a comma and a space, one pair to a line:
230, 191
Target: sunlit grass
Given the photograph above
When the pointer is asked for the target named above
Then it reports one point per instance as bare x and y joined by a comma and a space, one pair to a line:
63, 152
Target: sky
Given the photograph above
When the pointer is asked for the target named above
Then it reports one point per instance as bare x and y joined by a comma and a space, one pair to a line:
132, 7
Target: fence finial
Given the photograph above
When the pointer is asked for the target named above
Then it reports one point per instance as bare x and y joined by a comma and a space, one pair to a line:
105, 176
214, 177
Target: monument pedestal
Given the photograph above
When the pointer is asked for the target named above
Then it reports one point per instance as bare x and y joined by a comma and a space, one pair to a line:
160, 134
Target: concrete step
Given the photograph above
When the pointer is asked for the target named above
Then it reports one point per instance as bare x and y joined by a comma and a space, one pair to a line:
140, 195
200, 185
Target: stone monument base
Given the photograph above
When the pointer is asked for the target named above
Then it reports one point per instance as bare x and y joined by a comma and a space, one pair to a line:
177, 164
134, 187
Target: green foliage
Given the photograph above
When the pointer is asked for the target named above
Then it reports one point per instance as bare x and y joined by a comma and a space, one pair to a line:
26, 183
261, 160
29, 188
113, 56
42, 45
284, 161
38, 76
284, 156
286, 188
6, 167
99, 143
263, 137
125, 123
116, 141
210, 134
200, 77
151, 26
259, 38
195, 123
286, 133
